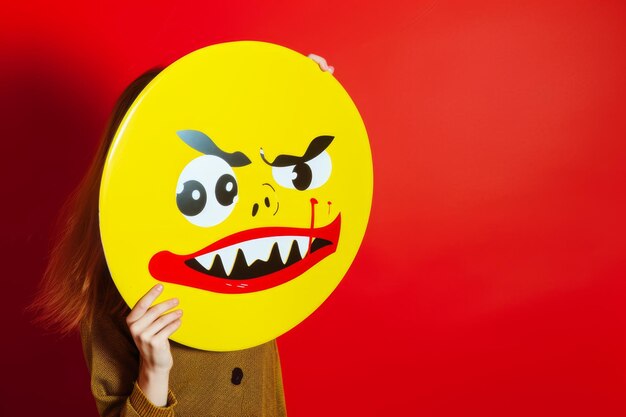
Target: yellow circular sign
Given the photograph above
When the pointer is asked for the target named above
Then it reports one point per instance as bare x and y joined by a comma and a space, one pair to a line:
241, 178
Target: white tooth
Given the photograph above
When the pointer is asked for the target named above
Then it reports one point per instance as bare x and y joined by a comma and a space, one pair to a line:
206, 260
303, 245
228, 255
257, 249
284, 247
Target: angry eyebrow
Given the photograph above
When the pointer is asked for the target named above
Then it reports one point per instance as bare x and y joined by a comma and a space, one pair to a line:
316, 147
202, 143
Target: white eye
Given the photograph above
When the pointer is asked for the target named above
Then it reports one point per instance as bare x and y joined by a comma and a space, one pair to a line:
206, 192
305, 175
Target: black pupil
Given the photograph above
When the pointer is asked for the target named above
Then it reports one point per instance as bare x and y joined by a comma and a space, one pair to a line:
303, 176
192, 199
226, 190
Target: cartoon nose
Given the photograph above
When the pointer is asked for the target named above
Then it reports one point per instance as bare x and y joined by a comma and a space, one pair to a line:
266, 200
266, 203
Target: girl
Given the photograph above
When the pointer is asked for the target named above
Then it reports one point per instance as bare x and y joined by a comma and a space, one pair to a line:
128, 353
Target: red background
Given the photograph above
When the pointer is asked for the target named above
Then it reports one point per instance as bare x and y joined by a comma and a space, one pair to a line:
491, 278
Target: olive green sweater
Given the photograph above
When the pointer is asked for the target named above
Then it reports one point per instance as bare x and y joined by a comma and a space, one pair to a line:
240, 383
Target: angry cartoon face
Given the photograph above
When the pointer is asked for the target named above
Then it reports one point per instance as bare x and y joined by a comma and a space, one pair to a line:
241, 178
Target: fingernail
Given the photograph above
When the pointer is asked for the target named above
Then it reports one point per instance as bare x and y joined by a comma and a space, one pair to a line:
159, 287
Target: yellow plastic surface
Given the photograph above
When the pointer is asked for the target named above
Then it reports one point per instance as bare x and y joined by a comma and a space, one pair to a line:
244, 96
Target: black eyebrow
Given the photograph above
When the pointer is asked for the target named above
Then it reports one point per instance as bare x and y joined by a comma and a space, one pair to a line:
316, 147
202, 143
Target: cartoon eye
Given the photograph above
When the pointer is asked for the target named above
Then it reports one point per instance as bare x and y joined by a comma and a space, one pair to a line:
304, 175
206, 192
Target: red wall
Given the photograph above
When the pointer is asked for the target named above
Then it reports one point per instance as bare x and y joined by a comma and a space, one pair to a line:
491, 281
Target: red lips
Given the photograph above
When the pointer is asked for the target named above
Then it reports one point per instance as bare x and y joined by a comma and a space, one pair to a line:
250, 260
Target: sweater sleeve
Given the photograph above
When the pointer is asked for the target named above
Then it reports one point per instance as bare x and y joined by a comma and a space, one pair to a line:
113, 363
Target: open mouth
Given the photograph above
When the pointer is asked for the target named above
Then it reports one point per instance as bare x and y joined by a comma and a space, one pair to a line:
249, 261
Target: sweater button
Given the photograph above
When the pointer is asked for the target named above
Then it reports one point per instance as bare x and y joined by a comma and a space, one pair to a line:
237, 376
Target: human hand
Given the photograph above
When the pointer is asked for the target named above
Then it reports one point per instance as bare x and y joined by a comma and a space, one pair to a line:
322, 63
150, 329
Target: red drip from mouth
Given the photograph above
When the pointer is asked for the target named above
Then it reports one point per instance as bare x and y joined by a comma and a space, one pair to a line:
313, 203
185, 270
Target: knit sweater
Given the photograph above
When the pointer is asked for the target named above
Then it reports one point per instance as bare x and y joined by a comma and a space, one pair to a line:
239, 383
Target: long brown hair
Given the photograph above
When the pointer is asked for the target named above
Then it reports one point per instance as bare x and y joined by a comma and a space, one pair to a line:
77, 283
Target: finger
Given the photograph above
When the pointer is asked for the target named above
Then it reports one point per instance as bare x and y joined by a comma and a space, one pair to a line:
314, 57
331, 69
162, 322
152, 314
168, 330
319, 60
144, 303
